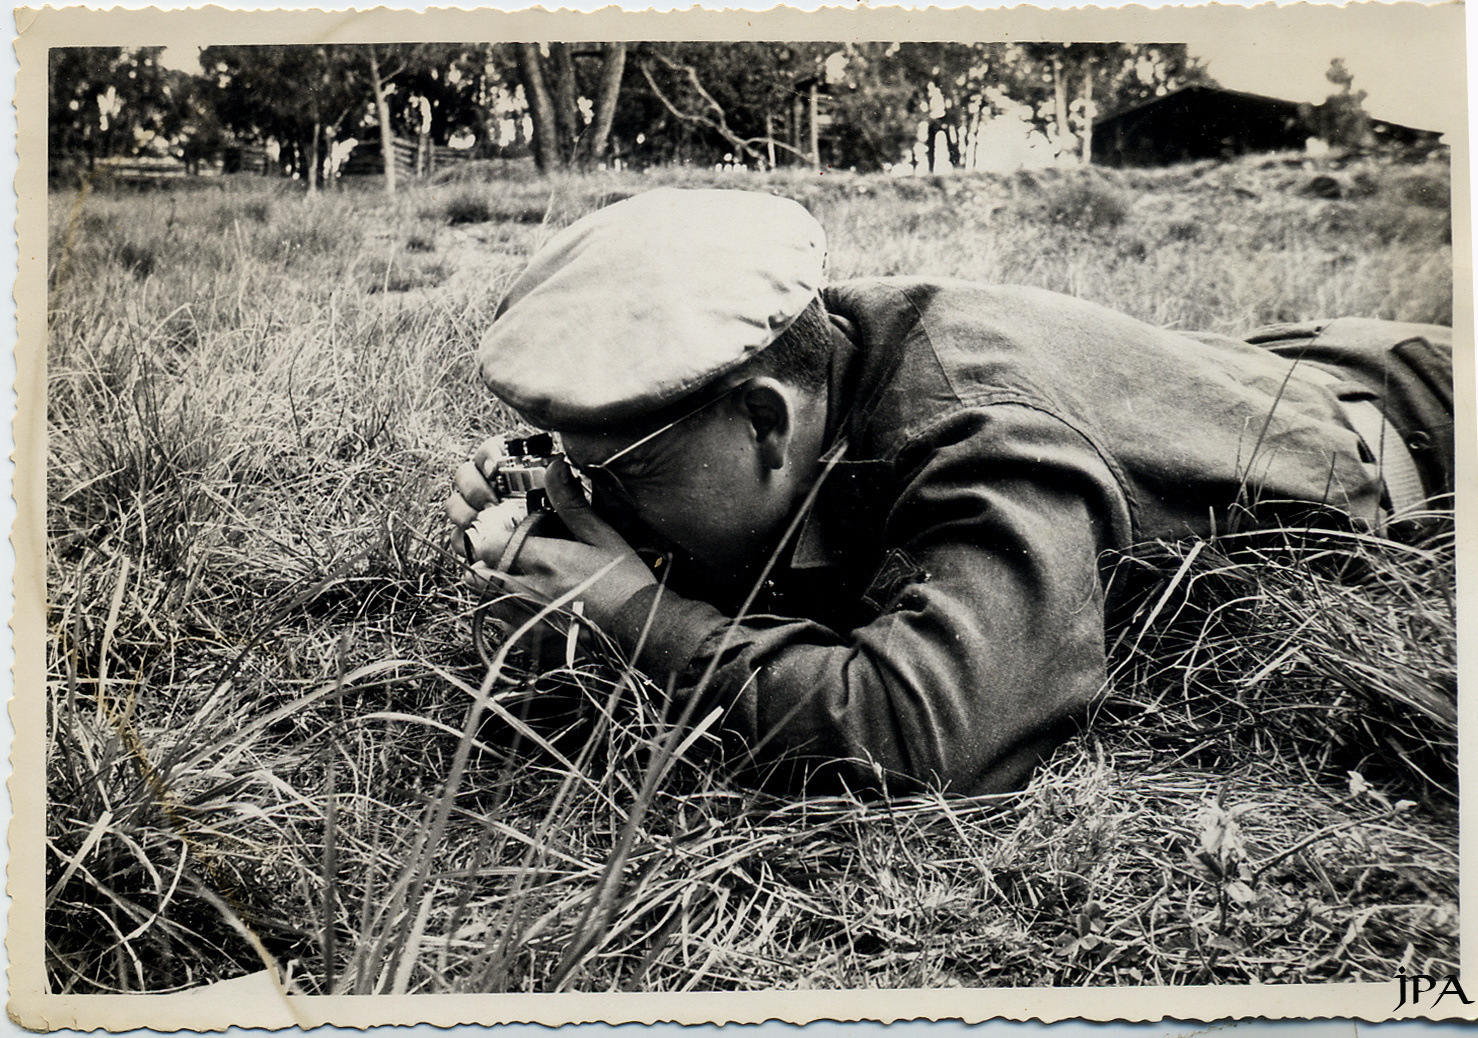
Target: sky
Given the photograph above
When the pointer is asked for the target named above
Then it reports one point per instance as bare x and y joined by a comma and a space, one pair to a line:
1394, 72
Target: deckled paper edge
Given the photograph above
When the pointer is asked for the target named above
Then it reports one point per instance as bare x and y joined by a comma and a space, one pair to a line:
250, 1005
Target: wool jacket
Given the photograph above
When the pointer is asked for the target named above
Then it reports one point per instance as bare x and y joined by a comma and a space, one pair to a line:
939, 618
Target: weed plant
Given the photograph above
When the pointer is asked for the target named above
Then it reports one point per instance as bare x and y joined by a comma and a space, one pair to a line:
271, 738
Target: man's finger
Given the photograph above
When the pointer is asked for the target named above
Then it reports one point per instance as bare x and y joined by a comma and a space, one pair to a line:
568, 500
473, 486
459, 511
489, 450
488, 536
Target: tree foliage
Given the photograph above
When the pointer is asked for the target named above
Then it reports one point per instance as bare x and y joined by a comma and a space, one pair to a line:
860, 105
736, 102
961, 87
441, 89
117, 101
1341, 120
302, 96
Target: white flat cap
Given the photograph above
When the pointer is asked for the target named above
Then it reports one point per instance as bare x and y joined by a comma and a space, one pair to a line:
644, 302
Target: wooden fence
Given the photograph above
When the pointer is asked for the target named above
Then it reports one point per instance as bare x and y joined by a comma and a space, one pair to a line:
150, 169
412, 158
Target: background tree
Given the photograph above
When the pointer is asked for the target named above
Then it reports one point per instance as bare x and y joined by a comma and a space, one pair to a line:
963, 87
488, 75
380, 78
104, 102
877, 107
749, 101
556, 79
1341, 121
190, 123
301, 96
763, 104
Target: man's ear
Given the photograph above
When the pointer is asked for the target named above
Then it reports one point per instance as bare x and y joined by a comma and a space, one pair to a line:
769, 410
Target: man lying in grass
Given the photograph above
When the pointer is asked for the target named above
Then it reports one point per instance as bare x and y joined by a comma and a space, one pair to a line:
887, 502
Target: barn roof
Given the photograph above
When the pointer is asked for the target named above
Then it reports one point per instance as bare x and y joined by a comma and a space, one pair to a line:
1209, 121
1195, 90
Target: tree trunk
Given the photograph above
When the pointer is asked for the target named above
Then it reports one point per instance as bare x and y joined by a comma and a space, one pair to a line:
541, 108
598, 134
793, 138
313, 157
566, 112
954, 134
330, 137
815, 141
972, 134
1088, 114
382, 113
1059, 98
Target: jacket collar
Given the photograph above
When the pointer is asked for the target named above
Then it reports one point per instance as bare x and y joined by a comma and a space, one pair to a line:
847, 482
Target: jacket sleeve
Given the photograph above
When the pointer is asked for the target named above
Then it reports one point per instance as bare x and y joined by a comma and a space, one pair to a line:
981, 658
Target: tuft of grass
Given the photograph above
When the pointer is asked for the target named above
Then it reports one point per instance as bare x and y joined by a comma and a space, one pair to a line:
1338, 644
401, 274
420, 242
1429, 187
466, 207
1086, 205
511, 204
138, 258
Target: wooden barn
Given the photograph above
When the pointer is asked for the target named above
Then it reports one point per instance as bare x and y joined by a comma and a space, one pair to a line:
1204, 122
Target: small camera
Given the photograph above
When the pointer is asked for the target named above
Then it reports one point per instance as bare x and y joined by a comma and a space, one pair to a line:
517, 475
520, 472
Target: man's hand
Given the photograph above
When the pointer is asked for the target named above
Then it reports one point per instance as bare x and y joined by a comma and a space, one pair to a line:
488, 536
471, 491
551, 566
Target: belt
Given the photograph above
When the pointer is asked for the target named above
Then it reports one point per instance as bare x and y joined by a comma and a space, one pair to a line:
1398, 469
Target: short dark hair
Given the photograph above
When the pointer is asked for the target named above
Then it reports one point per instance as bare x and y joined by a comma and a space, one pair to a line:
802, 353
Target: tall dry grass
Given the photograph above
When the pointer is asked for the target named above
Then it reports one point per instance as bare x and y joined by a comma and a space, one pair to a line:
270, 737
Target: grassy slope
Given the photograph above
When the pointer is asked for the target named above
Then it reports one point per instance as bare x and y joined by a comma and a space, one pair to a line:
261, 660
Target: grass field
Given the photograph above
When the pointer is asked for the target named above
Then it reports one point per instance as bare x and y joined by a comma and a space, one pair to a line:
268, 724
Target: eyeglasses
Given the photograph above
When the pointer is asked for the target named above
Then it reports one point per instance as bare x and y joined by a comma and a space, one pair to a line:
608, 483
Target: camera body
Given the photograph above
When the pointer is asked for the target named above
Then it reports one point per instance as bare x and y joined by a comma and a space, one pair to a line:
520, 472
